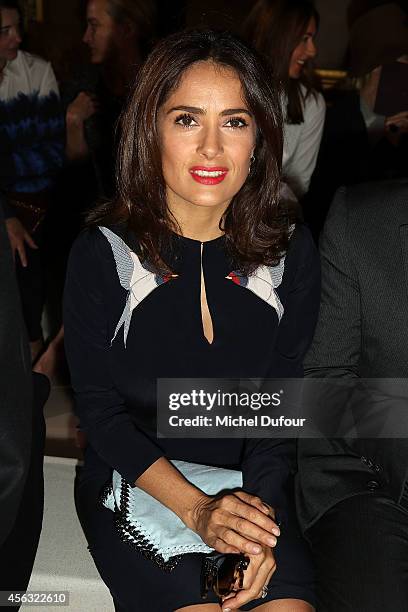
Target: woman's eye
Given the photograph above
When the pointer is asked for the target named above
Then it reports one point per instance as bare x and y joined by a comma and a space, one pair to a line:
236, 122
185, 121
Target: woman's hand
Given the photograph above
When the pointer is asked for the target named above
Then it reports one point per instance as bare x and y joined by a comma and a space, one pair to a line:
237, 522
82, 108
257, 575
19, 237
400, 121
395, 126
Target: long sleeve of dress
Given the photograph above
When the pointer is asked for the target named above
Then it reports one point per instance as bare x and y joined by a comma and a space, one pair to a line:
102, 412
301, 301
268, 463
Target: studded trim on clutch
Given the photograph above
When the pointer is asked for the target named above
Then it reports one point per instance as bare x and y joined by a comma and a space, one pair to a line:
129, 534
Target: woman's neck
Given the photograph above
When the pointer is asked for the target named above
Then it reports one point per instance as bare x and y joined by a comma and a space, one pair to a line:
120, 71
199, 222
369, 90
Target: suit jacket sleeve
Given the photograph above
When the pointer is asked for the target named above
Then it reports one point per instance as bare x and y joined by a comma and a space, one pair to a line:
15, 392
335, 351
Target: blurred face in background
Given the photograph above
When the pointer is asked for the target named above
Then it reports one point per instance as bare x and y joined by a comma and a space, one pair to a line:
10, 37
304, 51
102, 32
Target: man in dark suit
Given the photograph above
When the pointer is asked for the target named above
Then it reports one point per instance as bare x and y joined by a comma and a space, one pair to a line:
352, 493
22, 433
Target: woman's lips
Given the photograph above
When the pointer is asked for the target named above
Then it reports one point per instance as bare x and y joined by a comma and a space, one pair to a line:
208, 175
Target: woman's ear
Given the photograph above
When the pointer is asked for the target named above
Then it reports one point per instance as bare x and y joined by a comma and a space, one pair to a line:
129, 29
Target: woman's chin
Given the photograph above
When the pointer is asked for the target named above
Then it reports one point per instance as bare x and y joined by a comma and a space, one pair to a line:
296, 73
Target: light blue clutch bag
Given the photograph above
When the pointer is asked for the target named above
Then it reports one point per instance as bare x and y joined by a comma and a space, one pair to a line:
152, 528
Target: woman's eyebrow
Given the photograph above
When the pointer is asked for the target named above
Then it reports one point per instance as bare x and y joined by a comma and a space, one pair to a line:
201, 111
236, 111
187, 109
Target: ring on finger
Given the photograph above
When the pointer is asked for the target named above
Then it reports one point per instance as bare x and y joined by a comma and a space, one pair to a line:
264, 592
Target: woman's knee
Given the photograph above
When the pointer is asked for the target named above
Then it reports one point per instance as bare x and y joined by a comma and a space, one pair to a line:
200, 608
286, 605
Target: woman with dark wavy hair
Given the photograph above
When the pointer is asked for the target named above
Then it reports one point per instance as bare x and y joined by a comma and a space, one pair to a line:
194, 271
284, 32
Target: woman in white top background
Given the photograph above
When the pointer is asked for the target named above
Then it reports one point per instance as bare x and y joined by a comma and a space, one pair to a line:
284, 31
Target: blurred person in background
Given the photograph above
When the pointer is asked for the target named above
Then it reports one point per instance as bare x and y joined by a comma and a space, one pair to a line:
118, 35
15, 390
365, 136
22, 398
31, 155
284, 31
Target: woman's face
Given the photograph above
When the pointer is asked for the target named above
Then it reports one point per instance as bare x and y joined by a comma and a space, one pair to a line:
10, 37
101, 32
207, 136
305, 50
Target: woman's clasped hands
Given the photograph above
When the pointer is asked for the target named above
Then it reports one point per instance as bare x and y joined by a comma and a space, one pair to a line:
240, 523
396, 126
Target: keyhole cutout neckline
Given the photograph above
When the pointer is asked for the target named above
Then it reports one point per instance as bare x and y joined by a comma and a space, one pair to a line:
207, 323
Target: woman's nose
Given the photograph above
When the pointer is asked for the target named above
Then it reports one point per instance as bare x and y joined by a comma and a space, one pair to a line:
210, 144
311, 48
18, 37
86, 37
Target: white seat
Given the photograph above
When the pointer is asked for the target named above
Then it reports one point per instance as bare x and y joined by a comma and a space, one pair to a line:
63, 562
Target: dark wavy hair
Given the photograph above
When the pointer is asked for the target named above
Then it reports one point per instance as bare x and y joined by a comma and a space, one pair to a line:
255, 226
12, 5
141, 14
275, 28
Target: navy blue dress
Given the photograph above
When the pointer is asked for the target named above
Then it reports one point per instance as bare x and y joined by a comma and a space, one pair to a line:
119, 344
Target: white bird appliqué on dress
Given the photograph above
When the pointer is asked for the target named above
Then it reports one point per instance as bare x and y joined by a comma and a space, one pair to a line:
133, 277
139, 281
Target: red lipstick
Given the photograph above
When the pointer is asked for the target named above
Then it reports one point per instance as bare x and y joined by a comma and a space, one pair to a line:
208, 175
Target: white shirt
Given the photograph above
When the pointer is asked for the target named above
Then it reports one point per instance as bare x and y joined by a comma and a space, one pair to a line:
31, 125
27, 74
301, 144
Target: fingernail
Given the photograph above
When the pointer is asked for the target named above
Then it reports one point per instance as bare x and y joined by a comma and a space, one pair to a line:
256, 549
272, 541
227, 610
276, 531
